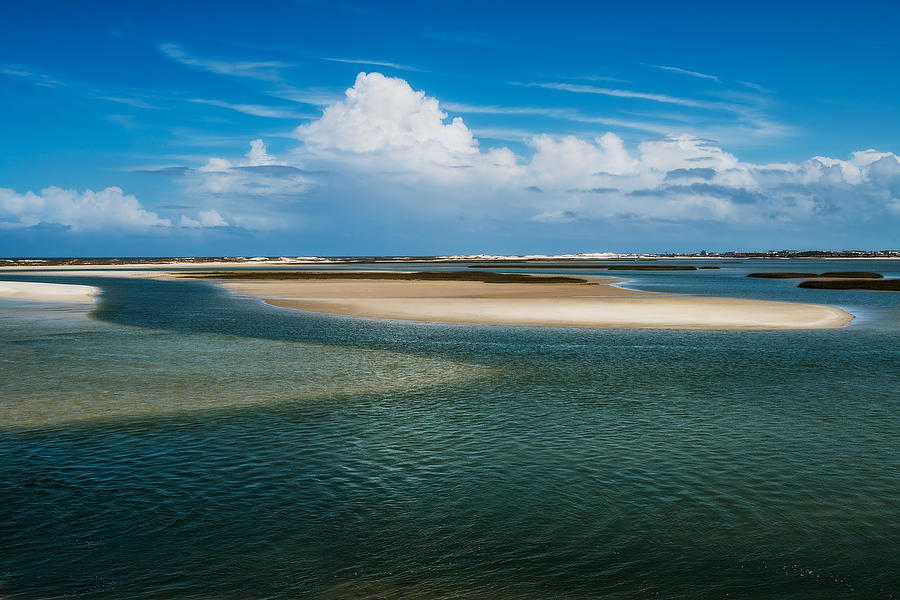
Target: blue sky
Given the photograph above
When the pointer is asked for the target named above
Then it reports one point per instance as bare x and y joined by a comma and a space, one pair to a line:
324, 128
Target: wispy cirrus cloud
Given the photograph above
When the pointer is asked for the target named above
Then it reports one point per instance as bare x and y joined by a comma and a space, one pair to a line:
681, 71
494, 109
316, 96
262, 70
375, 63
564, 114
255, 110
135, 102
601, 78
135, 98
619, 93
33, 76
754, 86
748, 118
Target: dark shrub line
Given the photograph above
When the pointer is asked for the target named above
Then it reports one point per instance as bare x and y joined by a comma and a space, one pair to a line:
418, 276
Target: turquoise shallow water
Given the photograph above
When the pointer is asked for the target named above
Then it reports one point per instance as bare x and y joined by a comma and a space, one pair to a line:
181, 442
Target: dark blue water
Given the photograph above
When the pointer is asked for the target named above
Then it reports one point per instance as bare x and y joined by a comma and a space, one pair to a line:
504, 463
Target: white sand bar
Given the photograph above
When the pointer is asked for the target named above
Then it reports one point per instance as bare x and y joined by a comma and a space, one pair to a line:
48, 292
597, 304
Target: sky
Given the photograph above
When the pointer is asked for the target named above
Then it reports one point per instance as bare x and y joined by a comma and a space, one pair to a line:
303, 128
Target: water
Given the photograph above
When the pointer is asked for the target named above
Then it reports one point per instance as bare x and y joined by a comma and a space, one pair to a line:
181, 442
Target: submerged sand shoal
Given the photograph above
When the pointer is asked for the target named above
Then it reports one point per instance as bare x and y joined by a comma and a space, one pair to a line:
594, 304
48, 292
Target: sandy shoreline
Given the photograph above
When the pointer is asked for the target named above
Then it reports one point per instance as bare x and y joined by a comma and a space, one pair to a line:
48, 292
596, 304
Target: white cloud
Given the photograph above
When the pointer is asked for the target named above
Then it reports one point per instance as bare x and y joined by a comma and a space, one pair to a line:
410, 148
556, 216
570, 162
861, 158
216, 165
375, 63
210, 218
315, 96
740, 121
384, 114
394, 148
258, 155
205, 218
682, 152
755, 86
35, 77
248, 192
79, 211
110, 209
681, 71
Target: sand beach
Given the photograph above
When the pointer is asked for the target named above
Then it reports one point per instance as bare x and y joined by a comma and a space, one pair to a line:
597, 303
48, 292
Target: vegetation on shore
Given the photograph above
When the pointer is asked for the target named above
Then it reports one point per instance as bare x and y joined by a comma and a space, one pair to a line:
486, 277
830, 274
783, 275
884, 285
852, 275
838, 280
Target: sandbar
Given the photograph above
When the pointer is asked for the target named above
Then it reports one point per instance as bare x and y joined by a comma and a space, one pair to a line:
597, 303
48, 292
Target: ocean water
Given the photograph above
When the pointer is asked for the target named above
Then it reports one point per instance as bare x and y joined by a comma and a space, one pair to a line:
182, 442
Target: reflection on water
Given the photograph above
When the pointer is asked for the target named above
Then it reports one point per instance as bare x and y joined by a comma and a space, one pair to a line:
414, 461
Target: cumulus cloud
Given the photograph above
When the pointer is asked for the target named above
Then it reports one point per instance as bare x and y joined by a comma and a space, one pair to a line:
404, 136
79, 211
384, 114
257, 174
258, 156
255, 191
205, 218
572, 162
90, 211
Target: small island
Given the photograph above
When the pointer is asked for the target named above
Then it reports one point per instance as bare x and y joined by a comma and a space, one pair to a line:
470, 297
838, 280
879, 285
